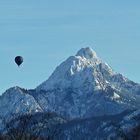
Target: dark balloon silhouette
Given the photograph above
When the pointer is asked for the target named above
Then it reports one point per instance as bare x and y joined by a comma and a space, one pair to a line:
19, 60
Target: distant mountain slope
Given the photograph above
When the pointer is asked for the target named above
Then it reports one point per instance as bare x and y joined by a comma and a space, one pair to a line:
16, 102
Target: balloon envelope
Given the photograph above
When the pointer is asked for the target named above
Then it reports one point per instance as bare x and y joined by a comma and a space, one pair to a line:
19, 60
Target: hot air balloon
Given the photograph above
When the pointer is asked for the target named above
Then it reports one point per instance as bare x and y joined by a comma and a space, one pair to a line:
19, 60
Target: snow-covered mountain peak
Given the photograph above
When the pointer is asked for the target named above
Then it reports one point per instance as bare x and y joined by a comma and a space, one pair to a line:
83, 83
87, 52
83, 69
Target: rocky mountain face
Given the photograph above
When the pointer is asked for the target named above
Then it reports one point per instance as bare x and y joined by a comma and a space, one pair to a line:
84, 98
84, 86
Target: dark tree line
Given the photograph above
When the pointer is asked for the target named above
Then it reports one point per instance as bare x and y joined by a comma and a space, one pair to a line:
40, 126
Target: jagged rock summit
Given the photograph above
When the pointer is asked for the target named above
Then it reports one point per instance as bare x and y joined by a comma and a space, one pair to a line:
86, 67
88, 53
84, 86
74, 71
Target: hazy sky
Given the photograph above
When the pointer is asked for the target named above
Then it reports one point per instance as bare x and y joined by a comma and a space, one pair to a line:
46, 32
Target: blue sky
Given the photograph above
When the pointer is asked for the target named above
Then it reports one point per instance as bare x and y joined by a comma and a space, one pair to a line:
46, 32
